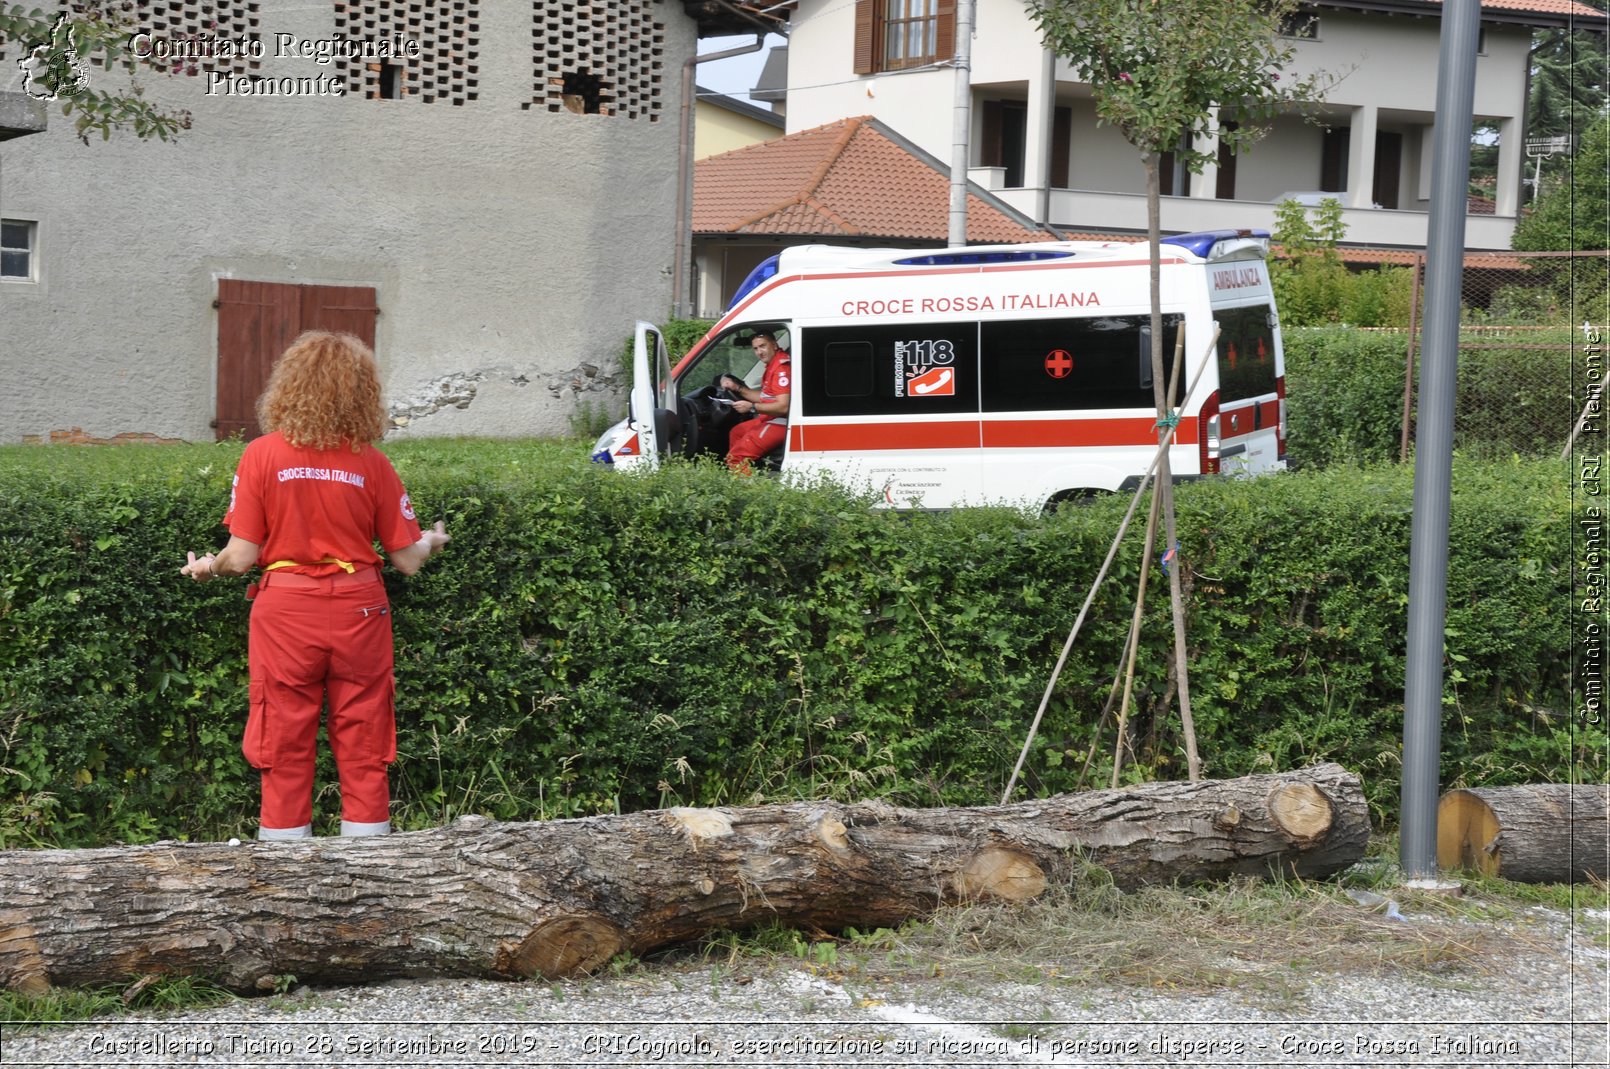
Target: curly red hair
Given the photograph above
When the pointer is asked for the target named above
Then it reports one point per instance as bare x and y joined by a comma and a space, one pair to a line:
324, 391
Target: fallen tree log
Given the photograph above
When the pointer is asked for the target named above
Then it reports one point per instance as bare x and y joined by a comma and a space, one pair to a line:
553, 898
1532, 833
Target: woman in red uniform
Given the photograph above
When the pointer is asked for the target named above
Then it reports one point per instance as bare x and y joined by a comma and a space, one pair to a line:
310, 499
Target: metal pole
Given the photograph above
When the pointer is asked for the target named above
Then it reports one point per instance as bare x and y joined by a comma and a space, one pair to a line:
682, 264
1433, 457
961, 124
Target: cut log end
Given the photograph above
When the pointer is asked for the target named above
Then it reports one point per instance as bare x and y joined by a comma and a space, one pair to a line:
998, 873
1301, 810
564, 946
1467, 834
1528, 832
24, 970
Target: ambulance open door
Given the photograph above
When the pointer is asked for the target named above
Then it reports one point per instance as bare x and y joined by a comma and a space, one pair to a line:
652, 415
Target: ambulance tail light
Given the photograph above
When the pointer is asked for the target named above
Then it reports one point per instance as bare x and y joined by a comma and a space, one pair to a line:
1280, 430
1208, 441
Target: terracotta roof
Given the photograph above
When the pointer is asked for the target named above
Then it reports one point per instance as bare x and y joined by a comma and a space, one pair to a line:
1405, 258
1542, 7
851, 178
1529, 12
1358, 254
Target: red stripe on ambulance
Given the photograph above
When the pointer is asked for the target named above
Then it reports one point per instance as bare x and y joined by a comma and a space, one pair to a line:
850, 437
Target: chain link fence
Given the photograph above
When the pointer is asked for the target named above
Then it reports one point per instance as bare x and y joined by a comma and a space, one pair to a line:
1528, 364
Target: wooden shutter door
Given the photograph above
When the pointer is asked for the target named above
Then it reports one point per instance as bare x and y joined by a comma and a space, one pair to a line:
256, 321
945, 30
1061, 146
866, 15
1388, 168
342, 309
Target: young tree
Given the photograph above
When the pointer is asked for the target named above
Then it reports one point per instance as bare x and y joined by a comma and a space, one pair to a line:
1572, 210
1166, 72
65, 54
1568, 82
1573, 215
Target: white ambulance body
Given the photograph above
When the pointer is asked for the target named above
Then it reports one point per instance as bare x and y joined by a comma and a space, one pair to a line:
986, 375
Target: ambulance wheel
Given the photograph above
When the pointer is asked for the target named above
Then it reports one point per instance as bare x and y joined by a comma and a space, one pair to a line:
1074, 498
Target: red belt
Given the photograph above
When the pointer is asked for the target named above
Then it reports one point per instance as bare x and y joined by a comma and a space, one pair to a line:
319, 582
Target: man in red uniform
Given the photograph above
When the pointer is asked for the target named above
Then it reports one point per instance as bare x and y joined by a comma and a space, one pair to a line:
309, 500
755, 438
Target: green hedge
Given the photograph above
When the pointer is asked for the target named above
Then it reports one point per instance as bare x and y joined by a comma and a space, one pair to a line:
1345, 393
594, 641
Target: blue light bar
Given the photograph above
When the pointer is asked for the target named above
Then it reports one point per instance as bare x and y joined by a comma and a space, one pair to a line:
1202, 242
764, 270
944, 259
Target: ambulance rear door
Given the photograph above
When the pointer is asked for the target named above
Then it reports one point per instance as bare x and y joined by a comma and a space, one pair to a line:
1250, 437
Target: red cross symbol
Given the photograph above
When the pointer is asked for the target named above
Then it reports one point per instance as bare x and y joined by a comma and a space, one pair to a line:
1058, 364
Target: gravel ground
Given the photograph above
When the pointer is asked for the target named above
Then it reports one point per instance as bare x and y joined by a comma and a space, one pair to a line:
1548, 1007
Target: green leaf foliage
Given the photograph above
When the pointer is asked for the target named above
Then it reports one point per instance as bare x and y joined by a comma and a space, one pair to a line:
84, 47
595, 641
1572, 212
1314, 288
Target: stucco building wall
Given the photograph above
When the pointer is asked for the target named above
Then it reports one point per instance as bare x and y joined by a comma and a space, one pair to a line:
510, 247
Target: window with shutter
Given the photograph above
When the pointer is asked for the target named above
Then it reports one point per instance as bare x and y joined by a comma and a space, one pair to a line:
894, 35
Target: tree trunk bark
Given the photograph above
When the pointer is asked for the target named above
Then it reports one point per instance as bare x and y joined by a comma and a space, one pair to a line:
1165, 394
489, 899
1534, 833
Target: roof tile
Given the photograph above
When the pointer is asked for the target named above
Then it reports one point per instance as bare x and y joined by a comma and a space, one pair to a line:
849, 178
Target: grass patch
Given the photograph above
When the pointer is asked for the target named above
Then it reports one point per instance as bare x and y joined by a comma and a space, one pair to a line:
1267, 940
150, 994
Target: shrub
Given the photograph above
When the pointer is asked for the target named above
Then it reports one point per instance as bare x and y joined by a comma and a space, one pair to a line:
1344, 395
1344, 398
595, 641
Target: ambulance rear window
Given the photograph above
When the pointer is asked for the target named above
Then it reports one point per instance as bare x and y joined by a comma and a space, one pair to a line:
1246, 353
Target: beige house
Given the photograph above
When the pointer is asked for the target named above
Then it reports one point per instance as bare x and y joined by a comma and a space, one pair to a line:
723, 123
1035, 142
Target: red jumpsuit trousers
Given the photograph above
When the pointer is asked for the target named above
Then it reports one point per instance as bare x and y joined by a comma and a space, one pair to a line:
312, 640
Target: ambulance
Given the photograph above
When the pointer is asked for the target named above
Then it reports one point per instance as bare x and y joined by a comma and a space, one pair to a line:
1011, 374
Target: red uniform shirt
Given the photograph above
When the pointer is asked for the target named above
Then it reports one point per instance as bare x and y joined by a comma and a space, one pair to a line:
317, 505
777, 380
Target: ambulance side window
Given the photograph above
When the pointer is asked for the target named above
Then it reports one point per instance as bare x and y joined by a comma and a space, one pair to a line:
1096, 362
730, 355
904, 369
1246, 352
